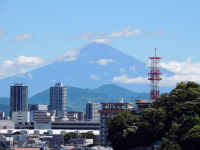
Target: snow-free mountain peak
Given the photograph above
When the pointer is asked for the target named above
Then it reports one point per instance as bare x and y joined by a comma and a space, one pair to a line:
92, 65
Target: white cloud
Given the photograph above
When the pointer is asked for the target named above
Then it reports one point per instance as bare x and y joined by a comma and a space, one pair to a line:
185, 67
23, 37
96, 77
150, 34
3, 32
30, 76
126, 32
132, 68
104, 62
70, 55
122, 70
184, 71
54, 80
29, 61
102, 41
7, 63
19, 66
129, 80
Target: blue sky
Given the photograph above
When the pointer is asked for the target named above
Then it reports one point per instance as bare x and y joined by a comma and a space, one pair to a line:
35, 32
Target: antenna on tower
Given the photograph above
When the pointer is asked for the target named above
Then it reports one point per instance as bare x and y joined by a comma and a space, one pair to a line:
154, 77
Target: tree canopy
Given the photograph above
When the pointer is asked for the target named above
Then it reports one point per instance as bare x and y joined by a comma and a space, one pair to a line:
173, 118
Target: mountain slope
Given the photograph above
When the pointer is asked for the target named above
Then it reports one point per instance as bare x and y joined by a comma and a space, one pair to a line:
92, 65
77, 97
114, 91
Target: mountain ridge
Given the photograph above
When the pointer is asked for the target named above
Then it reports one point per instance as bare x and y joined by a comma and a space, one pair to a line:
92, 65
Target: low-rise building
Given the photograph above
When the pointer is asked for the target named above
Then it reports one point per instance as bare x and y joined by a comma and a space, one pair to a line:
80, 141
110, 110
6, 142
7, 124
72, 116
21, 117
75, 125
142, 104
80, 115
43, 119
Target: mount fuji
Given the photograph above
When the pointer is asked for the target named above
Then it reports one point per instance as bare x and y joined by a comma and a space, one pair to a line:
90, 66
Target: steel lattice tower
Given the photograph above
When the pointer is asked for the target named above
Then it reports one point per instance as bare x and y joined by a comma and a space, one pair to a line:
154, 77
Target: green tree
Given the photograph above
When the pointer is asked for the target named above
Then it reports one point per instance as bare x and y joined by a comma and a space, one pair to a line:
191, 140
121, 130
88, 135
173, 117
70, 135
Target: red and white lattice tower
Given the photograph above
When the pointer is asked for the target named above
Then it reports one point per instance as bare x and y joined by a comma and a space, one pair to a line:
154, 77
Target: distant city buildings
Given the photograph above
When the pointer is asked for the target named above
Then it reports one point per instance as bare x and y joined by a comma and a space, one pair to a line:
35, 107
43, 119
110, 110
18, 98
92, 111
58, 99
80, 114
72, 116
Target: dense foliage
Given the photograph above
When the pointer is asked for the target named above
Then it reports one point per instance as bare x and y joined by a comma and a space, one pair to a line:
173, 118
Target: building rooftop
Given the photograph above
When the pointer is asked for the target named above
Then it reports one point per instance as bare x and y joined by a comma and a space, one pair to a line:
119, 103
19, 84
113, 111
142, 101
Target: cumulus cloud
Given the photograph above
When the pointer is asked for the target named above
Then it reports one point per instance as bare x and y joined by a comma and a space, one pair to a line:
126, 32
70, 55
129, 80
150, 34
19, 66
95, 77
102, 41
29, 61
184, 71
104, 62
23, 37
132, 68
3, 32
